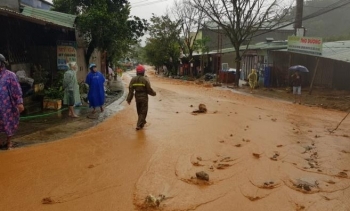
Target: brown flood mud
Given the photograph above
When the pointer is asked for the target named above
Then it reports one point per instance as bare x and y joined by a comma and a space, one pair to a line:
259, 154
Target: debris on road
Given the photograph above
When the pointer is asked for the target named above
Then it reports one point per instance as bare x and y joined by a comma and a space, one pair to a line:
201, 109
202, 176
256, 155
47, 200
153, 201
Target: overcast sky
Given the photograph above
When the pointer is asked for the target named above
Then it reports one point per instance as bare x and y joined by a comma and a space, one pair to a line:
145, 8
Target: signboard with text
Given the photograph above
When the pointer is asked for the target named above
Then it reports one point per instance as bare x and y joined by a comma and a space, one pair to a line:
306, 45
66, 52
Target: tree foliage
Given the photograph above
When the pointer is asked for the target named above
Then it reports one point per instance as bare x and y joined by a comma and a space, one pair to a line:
105, 24
191, 20
163, 45
239, 20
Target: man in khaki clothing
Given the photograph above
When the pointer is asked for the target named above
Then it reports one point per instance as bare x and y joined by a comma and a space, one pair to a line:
142, 88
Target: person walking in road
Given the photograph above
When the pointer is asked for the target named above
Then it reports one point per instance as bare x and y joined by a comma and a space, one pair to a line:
141, 86
71, 88
96, 95
252, 77
11, 103
296, 82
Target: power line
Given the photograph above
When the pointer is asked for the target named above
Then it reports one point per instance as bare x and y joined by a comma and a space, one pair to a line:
331, 7
149, 3
313, 15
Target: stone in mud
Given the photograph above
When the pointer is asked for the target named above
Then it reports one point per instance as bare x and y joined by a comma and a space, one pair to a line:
47, 200
153, 201
202, 176
342, 174
201, 109
256, 155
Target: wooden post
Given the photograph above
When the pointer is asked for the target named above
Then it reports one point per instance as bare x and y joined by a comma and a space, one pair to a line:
313, 77
289, 65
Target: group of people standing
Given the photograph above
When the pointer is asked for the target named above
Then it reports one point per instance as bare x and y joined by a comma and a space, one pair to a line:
296, 82
12, 101
95, 80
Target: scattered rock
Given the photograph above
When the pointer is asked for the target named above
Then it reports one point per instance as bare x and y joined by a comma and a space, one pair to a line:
153, 201
317, 136
177, 112
222, 141
216, 112
226, 159
342, 174
231, 135
199, 158
269, 184
274, 119
331, 182
306, 184
256, 155
310, 131
47, 200
201, 109
280, 145
196, 163
160, 100
91, 166
275, 156
238, 145
222, 165
346, 136
191, 106
202, 176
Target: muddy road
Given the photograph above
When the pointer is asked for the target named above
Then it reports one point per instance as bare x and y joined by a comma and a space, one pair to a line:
260, 155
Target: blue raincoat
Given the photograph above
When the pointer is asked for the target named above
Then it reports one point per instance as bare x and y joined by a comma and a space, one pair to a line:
96, 95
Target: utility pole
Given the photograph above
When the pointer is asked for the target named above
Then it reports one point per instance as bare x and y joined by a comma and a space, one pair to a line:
299, 18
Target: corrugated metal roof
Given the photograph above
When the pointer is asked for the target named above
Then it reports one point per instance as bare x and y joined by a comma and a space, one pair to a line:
56, 18
275, 45
339, 50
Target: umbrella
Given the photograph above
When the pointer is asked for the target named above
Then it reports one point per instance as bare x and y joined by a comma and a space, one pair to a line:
300, 68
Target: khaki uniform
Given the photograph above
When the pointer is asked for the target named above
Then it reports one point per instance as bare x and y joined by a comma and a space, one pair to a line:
142, 88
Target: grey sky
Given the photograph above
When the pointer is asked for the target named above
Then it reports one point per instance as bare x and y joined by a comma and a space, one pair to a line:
145, 8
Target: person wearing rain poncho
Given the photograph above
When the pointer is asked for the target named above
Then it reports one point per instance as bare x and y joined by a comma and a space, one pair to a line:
71, 88
96, 94
253, 79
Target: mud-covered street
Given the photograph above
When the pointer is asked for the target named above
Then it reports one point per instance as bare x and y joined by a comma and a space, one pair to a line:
260, 154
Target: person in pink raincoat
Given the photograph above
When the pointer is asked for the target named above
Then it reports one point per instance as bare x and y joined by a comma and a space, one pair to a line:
11, 103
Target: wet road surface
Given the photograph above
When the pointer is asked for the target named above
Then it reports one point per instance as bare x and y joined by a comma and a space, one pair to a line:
260, 154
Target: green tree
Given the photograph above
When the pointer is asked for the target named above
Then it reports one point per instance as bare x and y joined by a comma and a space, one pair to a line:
163, 45
105, 25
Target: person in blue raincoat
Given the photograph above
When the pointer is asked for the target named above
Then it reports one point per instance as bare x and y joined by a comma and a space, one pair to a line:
96, 95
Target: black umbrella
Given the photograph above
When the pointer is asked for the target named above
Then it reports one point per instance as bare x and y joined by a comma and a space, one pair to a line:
300, 68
